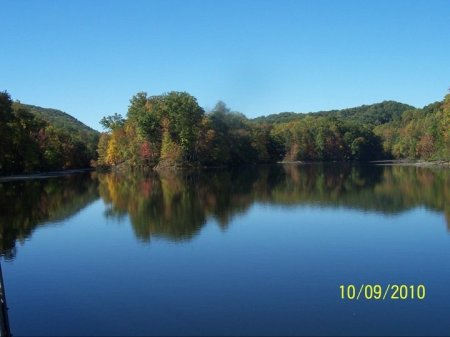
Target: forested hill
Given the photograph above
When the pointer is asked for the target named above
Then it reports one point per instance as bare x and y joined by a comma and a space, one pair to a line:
374, 114
58, 118
63, 121
66, 123
36, 139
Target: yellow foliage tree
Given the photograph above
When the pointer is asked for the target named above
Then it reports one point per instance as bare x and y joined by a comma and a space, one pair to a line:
112, 153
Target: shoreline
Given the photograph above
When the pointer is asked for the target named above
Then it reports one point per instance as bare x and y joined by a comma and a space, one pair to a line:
386, 162
408, 162
43, 175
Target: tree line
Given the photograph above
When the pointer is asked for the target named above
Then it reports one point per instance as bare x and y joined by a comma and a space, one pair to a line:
419, 133
172, 130
29, 143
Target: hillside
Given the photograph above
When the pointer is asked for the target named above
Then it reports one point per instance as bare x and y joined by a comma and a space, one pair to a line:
63, 121
34, 139
375, 114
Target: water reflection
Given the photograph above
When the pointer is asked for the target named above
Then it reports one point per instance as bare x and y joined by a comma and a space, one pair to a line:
167, 207
175, 207
26, 204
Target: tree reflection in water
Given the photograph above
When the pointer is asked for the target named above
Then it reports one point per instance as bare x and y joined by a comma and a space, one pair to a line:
27, 204
176, 206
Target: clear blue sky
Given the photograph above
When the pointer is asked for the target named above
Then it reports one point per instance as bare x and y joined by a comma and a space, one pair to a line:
89, 57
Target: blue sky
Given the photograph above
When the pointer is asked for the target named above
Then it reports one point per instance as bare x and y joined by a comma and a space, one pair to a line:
88, 58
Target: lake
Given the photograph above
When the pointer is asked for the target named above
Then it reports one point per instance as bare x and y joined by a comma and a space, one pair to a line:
255, 251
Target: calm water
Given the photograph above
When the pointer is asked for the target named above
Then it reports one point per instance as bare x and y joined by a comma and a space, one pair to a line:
259, 251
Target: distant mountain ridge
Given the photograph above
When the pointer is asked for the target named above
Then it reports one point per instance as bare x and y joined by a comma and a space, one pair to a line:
375, 114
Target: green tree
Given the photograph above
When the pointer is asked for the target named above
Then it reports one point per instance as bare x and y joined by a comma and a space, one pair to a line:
112, 122
6, 116
184, 115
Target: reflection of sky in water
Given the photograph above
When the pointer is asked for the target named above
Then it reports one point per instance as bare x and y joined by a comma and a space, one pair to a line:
273, 269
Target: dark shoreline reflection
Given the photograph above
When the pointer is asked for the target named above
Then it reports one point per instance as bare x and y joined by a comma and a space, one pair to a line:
176, 206
27, 204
